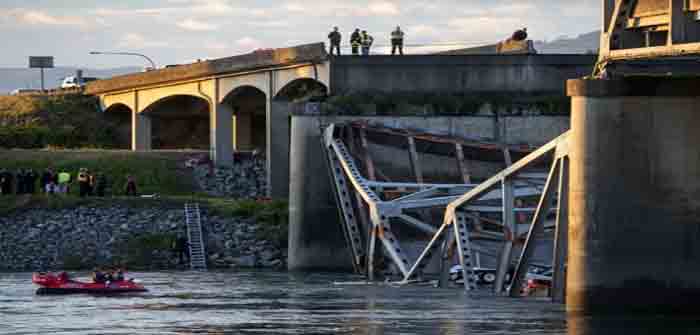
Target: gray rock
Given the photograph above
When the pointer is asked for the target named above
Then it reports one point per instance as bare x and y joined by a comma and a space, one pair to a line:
249, 261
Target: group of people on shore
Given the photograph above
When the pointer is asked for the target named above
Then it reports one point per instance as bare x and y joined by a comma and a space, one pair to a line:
363, 41
89, 183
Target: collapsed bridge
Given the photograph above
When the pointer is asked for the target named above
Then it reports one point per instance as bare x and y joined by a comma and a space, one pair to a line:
371, 210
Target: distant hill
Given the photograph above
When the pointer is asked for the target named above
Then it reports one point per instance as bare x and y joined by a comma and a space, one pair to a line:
587, 43
13, 78
584, 43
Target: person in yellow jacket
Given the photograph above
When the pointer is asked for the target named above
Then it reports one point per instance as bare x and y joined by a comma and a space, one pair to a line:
356, 42
63, 182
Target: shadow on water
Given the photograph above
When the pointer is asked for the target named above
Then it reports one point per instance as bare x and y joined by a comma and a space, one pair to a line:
628, 324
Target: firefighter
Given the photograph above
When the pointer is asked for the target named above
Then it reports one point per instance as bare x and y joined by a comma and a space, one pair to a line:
356, 41
335, 39
367, 41
397, 41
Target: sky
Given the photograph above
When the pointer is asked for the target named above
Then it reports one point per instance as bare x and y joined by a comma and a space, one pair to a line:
181, 31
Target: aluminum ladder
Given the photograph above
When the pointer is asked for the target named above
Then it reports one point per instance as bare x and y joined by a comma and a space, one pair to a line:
198, 259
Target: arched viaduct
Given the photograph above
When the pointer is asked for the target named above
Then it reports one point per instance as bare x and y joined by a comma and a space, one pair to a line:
223, 104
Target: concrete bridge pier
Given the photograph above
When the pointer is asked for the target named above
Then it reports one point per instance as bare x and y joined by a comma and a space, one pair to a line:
140, 132
221, 132
315, 238
634, 231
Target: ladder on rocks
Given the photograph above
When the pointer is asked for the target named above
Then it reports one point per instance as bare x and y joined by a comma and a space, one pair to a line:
198, 259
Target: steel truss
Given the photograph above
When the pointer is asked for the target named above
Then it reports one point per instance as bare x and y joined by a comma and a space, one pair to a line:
367, 215
647, 29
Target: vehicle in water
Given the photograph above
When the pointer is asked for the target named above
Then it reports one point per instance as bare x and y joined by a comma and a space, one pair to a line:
538, 283
482, 276
61, 283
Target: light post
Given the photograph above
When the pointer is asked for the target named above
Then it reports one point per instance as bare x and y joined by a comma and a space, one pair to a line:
153, 64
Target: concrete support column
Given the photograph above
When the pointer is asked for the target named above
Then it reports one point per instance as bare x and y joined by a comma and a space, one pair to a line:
244, 130
278, 139
140, 132
315, 237
221, 130
634, 218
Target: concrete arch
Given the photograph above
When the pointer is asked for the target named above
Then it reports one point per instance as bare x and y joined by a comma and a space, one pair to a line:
127, 99
229, 85
176, 100
118, 107
243, 91
202, 89
119, 115
179, 122
301, 89
249, 107
318, 72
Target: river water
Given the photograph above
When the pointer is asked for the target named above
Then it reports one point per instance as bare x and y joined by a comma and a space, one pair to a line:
285, 303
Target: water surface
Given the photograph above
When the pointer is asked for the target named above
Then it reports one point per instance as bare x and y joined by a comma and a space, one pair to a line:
284, 303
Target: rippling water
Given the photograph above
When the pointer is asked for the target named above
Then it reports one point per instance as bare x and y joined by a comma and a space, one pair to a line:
283, 303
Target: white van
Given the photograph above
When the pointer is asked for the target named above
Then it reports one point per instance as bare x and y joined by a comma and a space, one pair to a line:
72, 81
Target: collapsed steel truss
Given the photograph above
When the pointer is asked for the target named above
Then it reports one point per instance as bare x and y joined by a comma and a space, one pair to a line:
367, 214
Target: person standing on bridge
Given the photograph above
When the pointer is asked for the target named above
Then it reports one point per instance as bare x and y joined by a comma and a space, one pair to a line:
356, 42
397, 41
335, 39
367, 41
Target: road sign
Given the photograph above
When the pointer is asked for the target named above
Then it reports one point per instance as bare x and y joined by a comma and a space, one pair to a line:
41, 62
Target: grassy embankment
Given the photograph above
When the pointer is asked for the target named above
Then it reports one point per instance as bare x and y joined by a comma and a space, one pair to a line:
70, 121
156, 172
160, 173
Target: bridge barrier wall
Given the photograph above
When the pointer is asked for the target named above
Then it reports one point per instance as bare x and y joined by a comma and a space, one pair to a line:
527, 74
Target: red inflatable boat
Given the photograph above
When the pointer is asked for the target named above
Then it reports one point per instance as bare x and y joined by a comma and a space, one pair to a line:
62, 284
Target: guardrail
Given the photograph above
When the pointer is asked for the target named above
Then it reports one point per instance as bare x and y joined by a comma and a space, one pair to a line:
50, 92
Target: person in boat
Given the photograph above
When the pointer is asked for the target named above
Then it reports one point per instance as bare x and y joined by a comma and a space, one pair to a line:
98, 276
108, 277
118, 275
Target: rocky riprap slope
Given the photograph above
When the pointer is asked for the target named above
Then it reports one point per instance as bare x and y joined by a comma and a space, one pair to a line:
48, 239
246, 179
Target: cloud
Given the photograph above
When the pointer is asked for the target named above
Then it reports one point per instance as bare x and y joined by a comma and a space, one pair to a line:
248, 44
42, 18
383, 8
195, 25
423, 30
294, 7
138, 41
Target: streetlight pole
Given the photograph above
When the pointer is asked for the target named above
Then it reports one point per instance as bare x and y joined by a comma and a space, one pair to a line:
153, 64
